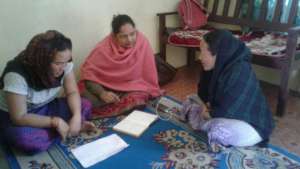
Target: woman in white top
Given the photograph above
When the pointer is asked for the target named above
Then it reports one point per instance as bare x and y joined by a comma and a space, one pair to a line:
31, 116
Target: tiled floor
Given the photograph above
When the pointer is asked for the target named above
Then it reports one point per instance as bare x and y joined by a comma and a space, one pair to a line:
287, 131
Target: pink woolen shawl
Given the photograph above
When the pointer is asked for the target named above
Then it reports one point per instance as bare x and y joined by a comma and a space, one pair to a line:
122, 69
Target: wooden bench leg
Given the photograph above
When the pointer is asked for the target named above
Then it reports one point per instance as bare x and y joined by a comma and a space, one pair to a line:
283, 92
191, 55
163, 51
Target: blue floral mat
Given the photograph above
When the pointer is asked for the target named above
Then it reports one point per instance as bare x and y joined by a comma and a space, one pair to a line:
164, 145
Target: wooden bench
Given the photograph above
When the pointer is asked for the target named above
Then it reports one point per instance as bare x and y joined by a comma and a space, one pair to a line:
222, 13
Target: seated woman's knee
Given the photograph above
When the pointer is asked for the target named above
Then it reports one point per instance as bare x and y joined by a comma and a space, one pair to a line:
29, 142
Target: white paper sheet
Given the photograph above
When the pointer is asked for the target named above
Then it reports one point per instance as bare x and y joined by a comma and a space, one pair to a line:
98, 150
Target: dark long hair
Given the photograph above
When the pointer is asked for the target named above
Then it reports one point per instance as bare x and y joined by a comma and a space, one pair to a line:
36, 59
120, 20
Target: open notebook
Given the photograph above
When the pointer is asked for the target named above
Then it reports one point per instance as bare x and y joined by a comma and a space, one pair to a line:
135, 123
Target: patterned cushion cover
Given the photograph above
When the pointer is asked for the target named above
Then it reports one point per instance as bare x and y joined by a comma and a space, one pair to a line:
260, 43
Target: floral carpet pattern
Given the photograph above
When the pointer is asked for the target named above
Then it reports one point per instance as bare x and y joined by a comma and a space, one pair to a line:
184, 152
165, 145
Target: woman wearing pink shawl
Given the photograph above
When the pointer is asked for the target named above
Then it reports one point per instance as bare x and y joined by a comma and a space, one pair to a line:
120, 73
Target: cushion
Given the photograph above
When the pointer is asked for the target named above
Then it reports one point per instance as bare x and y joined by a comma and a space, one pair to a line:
260, 43
187, 38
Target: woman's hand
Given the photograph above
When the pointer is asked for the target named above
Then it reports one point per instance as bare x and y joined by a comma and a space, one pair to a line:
206, 112
109, 97
75, 125
195, 111
61, 126
197, 115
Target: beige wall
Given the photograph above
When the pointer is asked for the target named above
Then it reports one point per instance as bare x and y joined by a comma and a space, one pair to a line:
86, 22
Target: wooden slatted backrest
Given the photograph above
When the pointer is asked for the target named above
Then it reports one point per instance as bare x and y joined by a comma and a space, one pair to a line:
220, 12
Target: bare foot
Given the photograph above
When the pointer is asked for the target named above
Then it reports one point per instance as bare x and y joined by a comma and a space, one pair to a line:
88, 126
